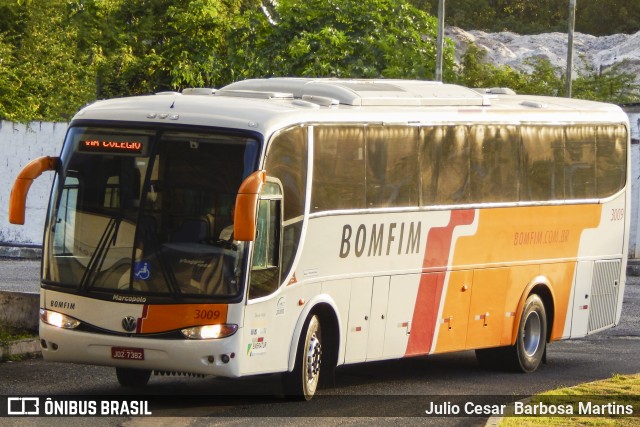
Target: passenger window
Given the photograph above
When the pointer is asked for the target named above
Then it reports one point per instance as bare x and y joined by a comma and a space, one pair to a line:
580, 162
611, 154
444, 162
392, 166
265, 269
543, 163
339, 168
495, 161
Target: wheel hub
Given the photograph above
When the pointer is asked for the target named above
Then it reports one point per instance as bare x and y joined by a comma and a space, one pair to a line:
314, 354
532, 331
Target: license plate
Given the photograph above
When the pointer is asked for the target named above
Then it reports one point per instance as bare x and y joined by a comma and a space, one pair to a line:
127, 353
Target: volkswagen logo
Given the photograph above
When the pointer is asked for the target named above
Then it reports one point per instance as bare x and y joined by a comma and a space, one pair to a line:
129, 323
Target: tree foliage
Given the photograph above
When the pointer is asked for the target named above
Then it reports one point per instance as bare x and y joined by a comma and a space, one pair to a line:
342, 38
42, 73
57, 55
150, 45
612, 85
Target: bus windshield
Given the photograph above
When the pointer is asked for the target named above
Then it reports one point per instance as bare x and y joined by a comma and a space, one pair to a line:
148, 213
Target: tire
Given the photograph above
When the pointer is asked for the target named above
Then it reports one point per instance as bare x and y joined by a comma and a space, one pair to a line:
129, 377
529, 350
302, 382
530, 346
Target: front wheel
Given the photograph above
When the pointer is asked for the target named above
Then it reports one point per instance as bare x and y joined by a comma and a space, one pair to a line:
302, 382
133, 377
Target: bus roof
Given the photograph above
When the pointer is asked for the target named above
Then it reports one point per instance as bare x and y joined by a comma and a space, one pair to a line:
265, 105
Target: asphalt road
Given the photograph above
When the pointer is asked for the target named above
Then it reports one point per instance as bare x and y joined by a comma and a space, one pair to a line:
388, 393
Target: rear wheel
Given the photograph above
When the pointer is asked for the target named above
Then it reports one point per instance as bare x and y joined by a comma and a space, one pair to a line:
528, 351
133, 377
532, 336
303, 381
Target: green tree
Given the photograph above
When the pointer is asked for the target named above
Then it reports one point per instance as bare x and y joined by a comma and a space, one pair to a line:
613, 85
475, 72
367, 38
43, 76
604, 17
151, 45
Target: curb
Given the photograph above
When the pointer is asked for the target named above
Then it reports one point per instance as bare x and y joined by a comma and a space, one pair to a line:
8, 250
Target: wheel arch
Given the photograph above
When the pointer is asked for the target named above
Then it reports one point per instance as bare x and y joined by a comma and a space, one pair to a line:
540, 286
329, 314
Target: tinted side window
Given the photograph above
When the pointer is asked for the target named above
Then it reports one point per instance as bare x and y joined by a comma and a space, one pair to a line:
339, 168
495, 163
287, 162
611, 155
392, 166
444, 165
542, 176
580, 162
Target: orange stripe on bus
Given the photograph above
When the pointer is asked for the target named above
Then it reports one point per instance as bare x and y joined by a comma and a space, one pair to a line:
163, 318
430, 290
545, 239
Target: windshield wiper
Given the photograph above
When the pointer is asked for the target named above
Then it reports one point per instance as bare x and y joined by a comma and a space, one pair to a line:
109, 236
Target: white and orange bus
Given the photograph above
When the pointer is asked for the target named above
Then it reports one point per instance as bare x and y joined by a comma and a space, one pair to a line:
294, 225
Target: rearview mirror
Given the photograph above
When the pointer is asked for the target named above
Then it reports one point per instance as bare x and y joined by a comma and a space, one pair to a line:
244, 217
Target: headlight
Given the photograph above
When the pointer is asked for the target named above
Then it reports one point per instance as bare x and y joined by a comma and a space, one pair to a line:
210, 331
58, 320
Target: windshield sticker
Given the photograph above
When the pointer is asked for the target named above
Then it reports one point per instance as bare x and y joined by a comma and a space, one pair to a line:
142, 270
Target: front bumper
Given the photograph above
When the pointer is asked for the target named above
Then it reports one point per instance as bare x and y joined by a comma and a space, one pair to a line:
218, 357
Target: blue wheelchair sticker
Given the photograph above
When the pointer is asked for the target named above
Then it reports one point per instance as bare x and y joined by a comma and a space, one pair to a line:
142, 270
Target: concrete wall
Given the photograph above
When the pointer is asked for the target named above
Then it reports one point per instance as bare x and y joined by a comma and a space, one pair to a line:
19, 144
20, 310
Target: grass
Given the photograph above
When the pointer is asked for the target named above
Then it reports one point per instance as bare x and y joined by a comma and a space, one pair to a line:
9, 335
620, 393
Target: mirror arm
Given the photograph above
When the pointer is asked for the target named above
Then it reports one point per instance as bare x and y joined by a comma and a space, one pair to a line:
18, 198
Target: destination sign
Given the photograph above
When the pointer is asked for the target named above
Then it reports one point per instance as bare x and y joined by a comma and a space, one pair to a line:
132, 146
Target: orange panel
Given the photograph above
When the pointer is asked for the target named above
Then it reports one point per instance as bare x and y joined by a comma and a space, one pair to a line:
486, 311
541, 233
561, 278
549, 236
452, 331
162, 318
519, 279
